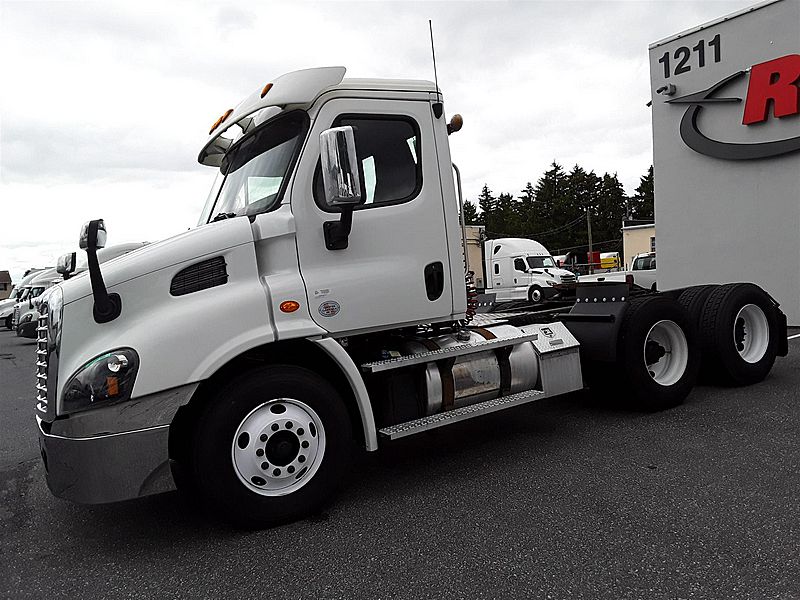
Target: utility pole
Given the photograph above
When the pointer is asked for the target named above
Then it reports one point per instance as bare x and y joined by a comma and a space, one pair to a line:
589, 228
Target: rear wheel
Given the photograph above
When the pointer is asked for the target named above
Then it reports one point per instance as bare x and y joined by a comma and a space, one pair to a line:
271, 447
739, 332
694, 298
657, 354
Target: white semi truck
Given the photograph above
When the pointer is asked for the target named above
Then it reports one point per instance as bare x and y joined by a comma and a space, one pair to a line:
523, 269
245, 359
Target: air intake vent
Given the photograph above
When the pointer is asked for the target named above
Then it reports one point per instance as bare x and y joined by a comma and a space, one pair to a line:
203, 275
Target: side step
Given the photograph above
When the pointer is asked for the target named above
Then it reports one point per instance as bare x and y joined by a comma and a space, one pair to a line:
460, 414
453, 351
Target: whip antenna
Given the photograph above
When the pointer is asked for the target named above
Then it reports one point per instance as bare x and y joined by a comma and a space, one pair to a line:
433, 54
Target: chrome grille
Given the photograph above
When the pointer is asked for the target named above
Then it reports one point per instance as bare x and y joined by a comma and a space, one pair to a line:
41, 364
568, 279
15, 318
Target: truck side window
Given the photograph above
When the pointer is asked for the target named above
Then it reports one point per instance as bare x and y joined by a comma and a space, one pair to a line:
519, 265
389, 150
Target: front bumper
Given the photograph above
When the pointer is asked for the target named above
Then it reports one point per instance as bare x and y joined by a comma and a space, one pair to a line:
106, 468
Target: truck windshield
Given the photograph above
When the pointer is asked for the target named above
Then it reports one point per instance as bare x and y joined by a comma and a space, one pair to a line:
254, 169
541, 262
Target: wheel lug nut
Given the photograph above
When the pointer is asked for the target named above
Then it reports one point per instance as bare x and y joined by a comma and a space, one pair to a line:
301, 458
263, 437
260, 452
275, 427
300, 431
265, 466
289, 425
276, 472
290, 469
304, 444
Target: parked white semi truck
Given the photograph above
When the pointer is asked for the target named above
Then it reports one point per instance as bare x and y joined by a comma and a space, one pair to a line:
523, 269
246, 358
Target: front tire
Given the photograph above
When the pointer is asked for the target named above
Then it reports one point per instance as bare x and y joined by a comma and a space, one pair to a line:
7, 322
535, 295
271, 447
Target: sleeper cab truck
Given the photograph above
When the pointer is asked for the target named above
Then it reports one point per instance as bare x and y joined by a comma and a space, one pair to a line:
522, 269
245, 359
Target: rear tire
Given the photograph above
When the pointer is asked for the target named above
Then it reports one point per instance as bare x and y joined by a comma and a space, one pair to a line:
271, 447
739, 333
694, 299
657, 355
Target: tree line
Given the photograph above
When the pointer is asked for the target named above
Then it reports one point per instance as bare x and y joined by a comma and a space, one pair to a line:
553, 211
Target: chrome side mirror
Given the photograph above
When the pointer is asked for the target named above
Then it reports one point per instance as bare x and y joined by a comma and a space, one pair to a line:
340, 167
66, 264
93, 235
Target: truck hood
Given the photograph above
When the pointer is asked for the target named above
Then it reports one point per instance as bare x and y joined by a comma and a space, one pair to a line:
195, 244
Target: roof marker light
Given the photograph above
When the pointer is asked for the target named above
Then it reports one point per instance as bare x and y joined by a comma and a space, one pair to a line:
220, 121
267, 88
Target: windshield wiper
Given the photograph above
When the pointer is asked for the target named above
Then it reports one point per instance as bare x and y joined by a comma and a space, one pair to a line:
223, 215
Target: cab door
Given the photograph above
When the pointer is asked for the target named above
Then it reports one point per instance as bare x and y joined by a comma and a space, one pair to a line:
395, 269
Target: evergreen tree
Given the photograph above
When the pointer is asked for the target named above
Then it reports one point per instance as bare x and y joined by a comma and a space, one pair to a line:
548, 189
642, 205
486, 202
609, 213
506, 222
470, 213
526, 210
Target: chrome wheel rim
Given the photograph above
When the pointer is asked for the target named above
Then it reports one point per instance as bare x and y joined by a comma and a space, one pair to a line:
278, 447
666, 352
751, 333
536, 295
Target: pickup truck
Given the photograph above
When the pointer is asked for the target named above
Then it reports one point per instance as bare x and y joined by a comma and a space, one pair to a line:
642, 273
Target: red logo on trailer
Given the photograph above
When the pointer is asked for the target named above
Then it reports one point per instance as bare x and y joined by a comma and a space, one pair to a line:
774, 87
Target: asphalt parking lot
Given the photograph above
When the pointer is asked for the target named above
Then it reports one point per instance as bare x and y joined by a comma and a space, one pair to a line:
558, 499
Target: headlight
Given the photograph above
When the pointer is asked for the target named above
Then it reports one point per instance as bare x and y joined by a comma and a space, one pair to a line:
103, 380
55, 308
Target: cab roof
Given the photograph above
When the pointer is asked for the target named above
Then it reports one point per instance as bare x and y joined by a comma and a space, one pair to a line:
300, 89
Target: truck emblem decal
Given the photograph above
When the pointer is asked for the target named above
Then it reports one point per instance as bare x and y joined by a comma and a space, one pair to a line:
775, 82
547, 332
329, 308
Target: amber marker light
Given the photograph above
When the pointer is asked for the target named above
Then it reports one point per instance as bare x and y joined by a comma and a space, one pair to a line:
267, 88
220, 121
289, 306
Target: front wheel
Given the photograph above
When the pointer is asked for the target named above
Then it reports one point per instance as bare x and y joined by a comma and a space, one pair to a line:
535, 294
7, 322
271, 447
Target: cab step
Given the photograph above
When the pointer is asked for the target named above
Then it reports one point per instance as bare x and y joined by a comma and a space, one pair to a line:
452, 352
460, 414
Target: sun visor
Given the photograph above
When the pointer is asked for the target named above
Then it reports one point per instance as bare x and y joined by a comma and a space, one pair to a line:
297, 87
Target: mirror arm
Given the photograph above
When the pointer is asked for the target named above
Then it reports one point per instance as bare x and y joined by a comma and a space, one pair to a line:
107, 307
337, 233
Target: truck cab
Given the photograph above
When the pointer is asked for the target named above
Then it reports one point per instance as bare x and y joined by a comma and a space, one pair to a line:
522, 269
321, 303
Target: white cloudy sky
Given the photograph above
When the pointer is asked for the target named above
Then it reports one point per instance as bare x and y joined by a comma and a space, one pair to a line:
105, 105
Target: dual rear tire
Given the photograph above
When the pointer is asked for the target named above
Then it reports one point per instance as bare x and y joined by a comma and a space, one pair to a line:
728, 334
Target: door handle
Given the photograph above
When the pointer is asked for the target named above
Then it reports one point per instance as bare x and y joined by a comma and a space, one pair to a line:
434, 280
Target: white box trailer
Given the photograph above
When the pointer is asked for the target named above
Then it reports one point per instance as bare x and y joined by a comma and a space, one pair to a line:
726, 145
